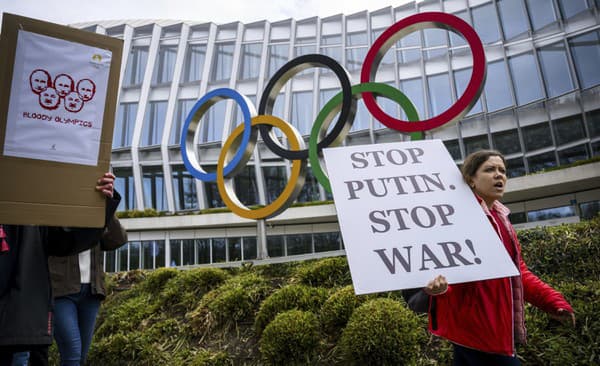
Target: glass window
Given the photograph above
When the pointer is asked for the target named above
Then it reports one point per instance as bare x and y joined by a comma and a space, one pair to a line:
388, 58
184, 189
245, 186
438, 39
302, 111
513, 18
218, 250
541, 162
497, 87
517, 217
568, 129
310, 190
175, 248
223, 62
124, 185
109, 261
184, 106
555, 69
355, 58
154, 121
250, 65
124, 124
121, 256
299, 244
134, 255
202, 251
541, 13
596, 148
586, 56
526, 79
250, 248
537, 136
278, 56
476, 143
275, 181
165, 65
235, 249
136, 66
439, 94
213, 198
148, 254
413, 89
573, 154
154, 188
411, 47
213, 122
551, 213
356, 39
453, 148
276, 245
325, 242
187, 249
589, 210
194, 62
515, 167
461, 80
485, 21
569, 8
507, 142
593, 122
457, 39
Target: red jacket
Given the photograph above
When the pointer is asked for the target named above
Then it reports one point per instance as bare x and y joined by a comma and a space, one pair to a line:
488, 315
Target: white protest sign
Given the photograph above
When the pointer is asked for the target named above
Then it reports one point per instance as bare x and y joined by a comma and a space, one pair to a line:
57, 100
406, 216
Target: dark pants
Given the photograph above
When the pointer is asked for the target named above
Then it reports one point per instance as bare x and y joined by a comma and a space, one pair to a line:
74, 320
469, 357
38, 355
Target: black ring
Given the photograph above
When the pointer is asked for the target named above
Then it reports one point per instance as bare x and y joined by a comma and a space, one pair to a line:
285, 73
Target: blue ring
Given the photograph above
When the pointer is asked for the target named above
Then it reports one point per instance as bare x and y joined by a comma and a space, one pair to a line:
188, 136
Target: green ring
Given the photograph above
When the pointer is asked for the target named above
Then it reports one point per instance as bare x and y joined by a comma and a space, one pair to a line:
333, 106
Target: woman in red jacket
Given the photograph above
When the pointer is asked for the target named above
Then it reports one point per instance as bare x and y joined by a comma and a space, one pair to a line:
485, 319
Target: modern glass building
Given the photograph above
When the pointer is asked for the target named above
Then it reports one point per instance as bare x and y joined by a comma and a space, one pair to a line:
540, 107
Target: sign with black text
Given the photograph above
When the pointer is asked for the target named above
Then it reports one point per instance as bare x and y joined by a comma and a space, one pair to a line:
406, 216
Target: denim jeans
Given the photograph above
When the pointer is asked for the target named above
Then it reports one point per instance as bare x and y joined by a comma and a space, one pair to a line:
74, 320
464, 356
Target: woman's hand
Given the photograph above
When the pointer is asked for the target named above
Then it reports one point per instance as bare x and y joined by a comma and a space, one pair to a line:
437, 286
105, 184
564, 317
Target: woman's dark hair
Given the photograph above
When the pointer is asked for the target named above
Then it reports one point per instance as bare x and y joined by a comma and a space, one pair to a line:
474, 161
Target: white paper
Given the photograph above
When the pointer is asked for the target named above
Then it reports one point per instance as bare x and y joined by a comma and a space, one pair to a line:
418, 208
56, 106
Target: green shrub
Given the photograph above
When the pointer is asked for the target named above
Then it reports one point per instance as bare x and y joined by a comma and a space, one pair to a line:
327, 272
126, 316
156, 280
381, 332
207, 358
287, 298
338, 308
235, 300
132, 348
553, 343
184, 291
565, 251
292, 338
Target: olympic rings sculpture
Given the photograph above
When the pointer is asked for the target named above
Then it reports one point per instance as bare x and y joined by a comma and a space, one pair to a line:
239, 146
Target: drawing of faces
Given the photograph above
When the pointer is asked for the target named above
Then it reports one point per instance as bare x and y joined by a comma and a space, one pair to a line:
64, 85
39, 80
49, 99
86, 89
73, 102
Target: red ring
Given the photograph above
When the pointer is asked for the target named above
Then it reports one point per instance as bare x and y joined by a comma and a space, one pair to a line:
385, 42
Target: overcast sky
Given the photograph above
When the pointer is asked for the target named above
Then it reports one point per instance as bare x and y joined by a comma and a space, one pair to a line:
223, 11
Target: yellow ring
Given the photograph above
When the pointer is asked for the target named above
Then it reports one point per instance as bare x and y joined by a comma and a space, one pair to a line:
292, 188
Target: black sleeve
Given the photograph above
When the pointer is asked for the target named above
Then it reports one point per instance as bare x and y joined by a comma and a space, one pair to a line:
416, 299
64, 242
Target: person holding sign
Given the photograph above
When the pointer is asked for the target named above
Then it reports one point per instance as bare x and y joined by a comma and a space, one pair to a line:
26, 314
486, 319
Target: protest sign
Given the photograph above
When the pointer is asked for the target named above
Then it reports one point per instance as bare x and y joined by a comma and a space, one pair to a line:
56, 121
406, 216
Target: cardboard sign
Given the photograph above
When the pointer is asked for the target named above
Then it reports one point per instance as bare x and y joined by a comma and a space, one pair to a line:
406, 216
56, 121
